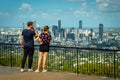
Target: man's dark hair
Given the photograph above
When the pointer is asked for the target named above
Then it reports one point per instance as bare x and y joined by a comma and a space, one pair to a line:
29, 23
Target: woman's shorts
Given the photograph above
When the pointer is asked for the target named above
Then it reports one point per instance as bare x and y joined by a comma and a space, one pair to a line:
44, 48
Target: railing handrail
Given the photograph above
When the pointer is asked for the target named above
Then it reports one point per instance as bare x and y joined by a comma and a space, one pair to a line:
83, 48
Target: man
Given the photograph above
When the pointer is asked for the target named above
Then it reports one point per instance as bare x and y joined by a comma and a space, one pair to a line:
27, 44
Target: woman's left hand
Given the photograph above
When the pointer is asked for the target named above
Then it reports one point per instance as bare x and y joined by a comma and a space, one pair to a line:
41, 42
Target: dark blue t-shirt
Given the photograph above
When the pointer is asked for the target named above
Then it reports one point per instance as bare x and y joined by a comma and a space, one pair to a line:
28, 37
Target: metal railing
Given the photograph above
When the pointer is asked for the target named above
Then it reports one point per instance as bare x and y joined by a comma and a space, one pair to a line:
90, 61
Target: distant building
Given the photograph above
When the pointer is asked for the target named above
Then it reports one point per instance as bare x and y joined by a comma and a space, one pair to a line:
71, 30
81, 35
91, 33
34, 23
59, 25
54, 30
70, 36
39, 30
100, 31
80, 24
62, 33
23, 25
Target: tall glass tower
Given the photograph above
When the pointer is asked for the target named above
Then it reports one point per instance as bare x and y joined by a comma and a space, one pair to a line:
59, 24
100, 31
80, 24
54, 30
91, 34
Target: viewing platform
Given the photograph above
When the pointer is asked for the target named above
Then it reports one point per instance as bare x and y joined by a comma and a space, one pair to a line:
7, 73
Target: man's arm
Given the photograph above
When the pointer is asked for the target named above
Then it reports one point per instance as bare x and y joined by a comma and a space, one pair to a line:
36, 33
22, 42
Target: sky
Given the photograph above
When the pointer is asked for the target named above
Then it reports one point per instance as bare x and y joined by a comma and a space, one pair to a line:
47, 12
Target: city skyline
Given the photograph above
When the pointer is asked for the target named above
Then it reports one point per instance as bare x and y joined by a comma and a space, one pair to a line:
47, 12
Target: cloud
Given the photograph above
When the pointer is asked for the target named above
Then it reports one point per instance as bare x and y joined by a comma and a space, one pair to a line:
25, 6
82, 9
4, 14
28, 16
45, 15
108, 5
77, 0
58, 10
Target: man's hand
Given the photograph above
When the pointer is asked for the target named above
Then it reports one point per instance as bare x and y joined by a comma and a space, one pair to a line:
32, 28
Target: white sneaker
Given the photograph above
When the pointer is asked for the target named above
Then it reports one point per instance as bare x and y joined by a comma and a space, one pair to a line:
44, 71
30, 70
36, 70
22, 70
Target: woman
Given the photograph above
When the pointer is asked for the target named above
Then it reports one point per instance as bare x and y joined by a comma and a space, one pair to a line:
45, 38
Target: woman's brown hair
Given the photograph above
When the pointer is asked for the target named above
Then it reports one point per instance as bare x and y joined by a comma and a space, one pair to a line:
46, 28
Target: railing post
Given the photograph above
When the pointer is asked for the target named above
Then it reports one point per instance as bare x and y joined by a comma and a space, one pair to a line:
11, 60
11, 56
77, 61
114, 66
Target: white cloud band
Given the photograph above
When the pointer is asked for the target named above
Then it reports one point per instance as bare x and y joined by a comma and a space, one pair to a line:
108, 5
25, 6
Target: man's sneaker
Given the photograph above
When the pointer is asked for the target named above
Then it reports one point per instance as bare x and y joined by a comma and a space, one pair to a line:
30, 70
36, 70
22, 70
44, 71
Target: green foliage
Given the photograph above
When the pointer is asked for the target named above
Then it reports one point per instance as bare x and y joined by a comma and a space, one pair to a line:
8, 60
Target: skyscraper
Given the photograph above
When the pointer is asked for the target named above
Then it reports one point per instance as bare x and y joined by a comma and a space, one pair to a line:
34, 24
54, 30
91, 34
80, 24
59, 25
36, 27
100, 31
23, 25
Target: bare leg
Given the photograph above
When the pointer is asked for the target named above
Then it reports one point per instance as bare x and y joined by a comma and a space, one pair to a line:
44, 59
39, 60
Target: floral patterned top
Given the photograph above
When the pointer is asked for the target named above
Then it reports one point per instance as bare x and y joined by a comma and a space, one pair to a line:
45, 38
